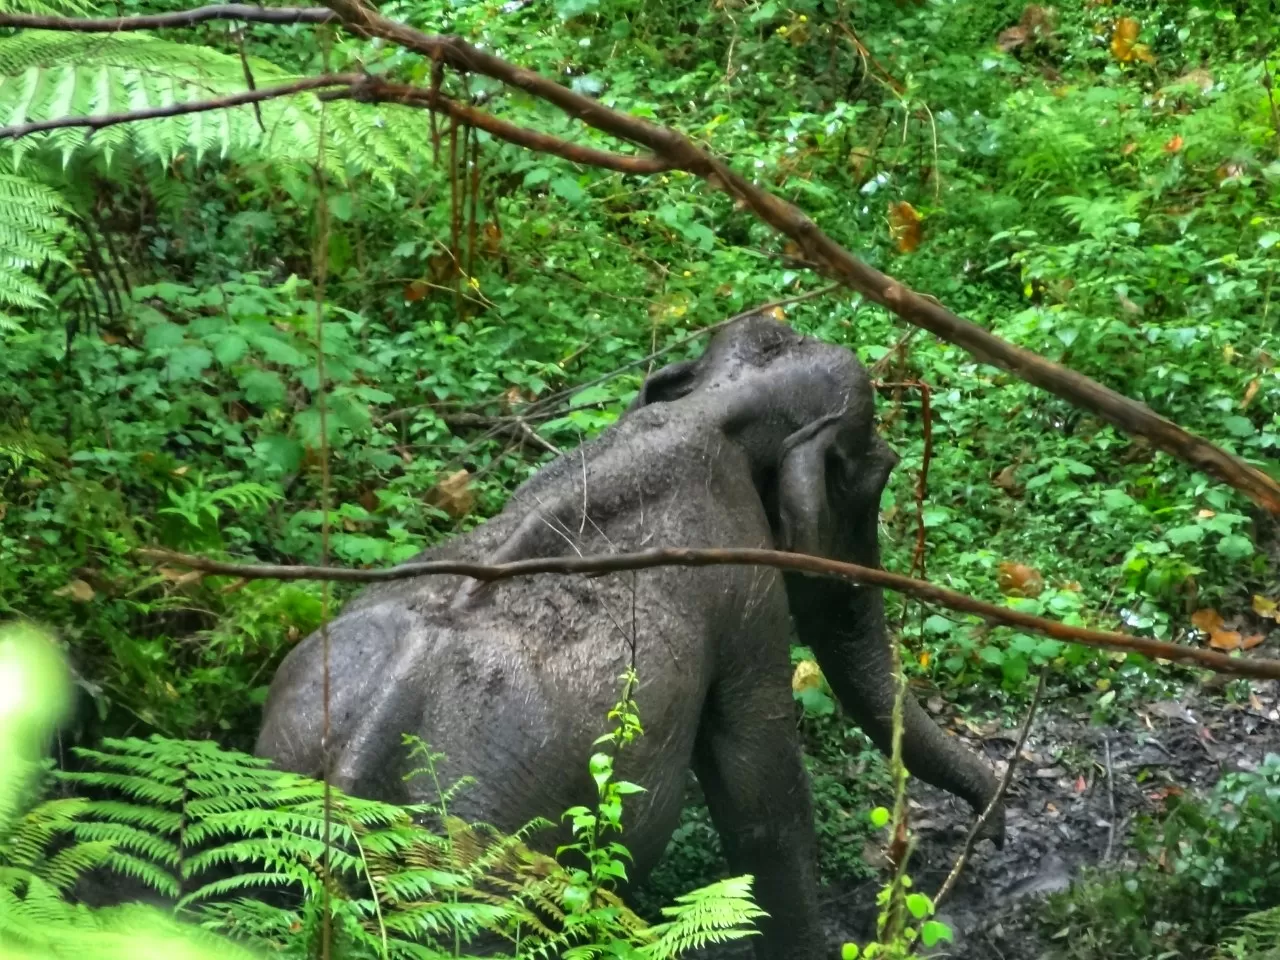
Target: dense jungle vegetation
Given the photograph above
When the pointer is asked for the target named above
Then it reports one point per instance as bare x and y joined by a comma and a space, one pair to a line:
1096, 181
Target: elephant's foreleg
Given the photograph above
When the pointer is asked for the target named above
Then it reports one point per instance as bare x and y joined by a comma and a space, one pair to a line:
845, 627
748, 763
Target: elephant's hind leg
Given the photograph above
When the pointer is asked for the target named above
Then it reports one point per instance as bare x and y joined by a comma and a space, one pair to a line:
748, 762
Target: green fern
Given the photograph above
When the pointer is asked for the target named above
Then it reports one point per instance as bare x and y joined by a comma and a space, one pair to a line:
46, 75
712, 914
31, 224
217, 829
1256, 937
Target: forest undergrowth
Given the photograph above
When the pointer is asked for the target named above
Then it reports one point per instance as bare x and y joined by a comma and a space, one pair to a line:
1098, 182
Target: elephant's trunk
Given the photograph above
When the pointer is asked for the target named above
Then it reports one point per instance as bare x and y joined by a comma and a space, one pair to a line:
844, 625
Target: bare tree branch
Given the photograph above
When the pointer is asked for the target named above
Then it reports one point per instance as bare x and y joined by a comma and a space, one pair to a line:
686, 557
178, 109
380, 91
160, 21
920, 310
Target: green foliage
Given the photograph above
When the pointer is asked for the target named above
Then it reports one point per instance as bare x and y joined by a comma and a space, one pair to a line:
46, 75
30, 225
1208, 866
1118, 217
214, 830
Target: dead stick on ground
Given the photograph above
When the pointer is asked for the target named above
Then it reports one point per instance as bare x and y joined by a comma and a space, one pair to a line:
1111, 800
971, 840
714, 557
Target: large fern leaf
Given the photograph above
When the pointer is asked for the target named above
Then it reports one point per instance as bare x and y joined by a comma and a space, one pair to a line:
66, 8
30, 226
46, 75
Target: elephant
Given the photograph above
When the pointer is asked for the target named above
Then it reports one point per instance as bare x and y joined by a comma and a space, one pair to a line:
766, 440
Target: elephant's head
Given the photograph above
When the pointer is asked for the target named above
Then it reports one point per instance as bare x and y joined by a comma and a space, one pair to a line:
803, 410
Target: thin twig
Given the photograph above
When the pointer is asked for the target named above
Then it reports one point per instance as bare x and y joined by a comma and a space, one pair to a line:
971, 840
372, 90
1111, 800
1262, 669
100, 121
160, 21
248, 77
897, 349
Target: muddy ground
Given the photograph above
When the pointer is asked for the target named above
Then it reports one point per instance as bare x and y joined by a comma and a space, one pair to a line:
1075, 793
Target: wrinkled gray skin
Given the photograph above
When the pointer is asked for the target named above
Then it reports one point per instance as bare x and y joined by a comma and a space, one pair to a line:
766, 441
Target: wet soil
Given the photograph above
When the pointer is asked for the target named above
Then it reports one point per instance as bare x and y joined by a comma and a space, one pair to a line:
1076, 791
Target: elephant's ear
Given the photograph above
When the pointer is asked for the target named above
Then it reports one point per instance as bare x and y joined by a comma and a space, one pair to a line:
804, 502
829, 486
670, 383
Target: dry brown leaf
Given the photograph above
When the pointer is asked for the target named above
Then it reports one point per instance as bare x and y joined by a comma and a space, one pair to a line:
925, 658
1019, 580
1128, 148
1250, 392
1265, 607
1251, 641
77, 590
1011, 39
859, 163
807, 676
1173, 144
1231, 170
904, 226
492, 238
1124, 42
1035, 26
1199, 77
1207, 620
453, 495
1206, 513
416, 290
779, 314
179, 577
1007, 479
1225, 640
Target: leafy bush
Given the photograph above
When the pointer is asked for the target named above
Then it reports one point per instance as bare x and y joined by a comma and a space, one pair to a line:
1207, 866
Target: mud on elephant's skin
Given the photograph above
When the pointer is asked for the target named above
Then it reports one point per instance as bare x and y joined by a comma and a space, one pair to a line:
767, 440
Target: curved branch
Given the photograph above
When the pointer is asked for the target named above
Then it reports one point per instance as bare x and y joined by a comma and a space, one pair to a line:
381, 91
917, 309
182, 18
178, 109
686, 557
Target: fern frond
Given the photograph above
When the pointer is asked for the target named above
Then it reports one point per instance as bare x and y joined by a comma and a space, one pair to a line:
46, 75
31, 224
65, 8
716, 913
